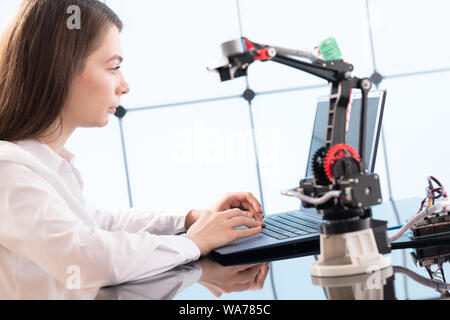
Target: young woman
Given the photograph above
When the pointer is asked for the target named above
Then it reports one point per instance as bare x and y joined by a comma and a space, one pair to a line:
54, 79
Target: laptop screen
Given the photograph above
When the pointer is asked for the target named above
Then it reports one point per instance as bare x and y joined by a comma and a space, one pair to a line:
374, 114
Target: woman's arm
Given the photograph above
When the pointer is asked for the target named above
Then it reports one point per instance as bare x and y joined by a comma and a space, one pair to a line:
138, 220
37, 223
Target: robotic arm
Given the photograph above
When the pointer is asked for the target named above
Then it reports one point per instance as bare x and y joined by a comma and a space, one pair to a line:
337, 166
342, 189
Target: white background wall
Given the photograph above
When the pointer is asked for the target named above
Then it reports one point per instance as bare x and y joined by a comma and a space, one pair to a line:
190, 154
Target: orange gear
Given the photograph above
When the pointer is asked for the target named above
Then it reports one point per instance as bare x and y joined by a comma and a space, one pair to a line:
336, 152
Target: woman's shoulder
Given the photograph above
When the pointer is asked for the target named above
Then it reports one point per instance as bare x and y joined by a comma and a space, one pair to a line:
14, 156
9, 150
17, 168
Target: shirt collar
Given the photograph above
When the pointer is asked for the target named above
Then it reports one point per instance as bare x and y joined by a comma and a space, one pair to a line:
45, 154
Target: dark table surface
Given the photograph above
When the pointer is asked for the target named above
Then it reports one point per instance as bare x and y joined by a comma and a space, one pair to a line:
286, 279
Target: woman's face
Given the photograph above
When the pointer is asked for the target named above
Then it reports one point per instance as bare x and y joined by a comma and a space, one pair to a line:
96, 89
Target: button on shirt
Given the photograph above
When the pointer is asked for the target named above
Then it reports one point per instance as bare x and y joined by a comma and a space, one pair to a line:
46, 225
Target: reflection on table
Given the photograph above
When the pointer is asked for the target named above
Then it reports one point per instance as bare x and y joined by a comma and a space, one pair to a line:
209, 274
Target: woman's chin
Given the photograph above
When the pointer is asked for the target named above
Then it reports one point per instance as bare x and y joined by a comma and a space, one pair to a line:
101, 123
104, 123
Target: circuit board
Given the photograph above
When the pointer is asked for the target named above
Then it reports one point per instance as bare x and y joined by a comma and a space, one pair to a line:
431, 255
431, 226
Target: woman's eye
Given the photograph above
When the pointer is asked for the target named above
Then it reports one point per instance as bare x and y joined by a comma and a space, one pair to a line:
115, 69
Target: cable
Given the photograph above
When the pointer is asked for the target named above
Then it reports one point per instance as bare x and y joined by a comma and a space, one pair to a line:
327, 196
438, 285
395, 228
433, 193
432, 207
422, 214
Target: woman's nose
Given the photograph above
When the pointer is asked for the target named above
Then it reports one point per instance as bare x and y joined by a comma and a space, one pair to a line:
124, 88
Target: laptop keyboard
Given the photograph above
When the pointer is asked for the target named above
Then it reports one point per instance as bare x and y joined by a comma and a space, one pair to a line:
288, 225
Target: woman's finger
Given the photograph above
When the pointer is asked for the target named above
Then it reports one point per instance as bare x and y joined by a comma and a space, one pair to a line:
260, 278
239, 221
240, 268
231, 213
246, 199
245, 233
249, 274
250, 208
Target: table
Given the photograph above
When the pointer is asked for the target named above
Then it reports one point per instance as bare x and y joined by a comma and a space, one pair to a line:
283, 279
289, 279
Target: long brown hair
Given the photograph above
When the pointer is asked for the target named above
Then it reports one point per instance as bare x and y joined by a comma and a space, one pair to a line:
39, 57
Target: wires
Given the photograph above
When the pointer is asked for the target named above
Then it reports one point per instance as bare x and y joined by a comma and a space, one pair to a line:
438, 285
428, 206
437, 274
394, 228
327, 196
422, 214
432, 192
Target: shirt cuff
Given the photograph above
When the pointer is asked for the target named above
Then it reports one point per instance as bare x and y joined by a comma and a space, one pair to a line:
179, 220
191, 250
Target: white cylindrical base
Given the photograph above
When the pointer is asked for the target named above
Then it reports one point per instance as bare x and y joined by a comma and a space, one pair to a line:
349, 254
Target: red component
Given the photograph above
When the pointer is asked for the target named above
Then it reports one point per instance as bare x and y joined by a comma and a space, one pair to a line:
248, 44
262, 54
336, 152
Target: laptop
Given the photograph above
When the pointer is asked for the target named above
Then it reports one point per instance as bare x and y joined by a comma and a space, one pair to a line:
296, 233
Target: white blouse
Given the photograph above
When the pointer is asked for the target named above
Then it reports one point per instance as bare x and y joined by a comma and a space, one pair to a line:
46, 225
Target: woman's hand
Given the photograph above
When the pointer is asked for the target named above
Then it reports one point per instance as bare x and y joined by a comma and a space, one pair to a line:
216, 229
241, 200
219, 279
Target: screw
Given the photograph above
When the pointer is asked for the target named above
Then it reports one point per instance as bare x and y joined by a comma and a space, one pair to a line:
366, 84
272, 52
